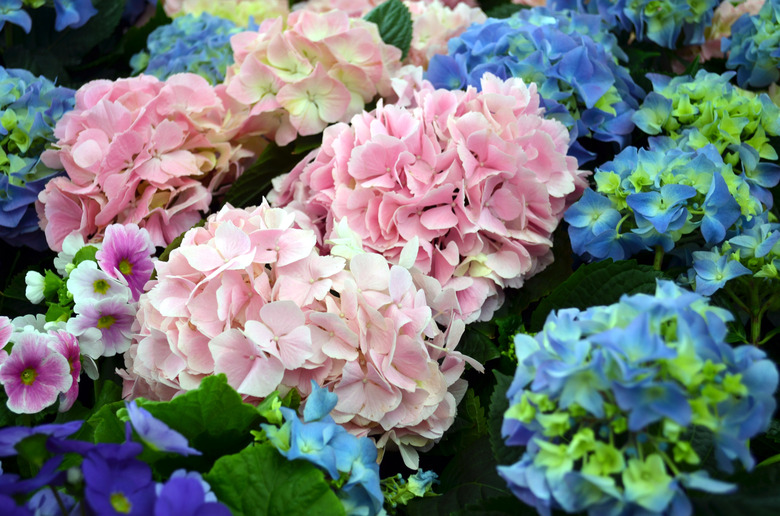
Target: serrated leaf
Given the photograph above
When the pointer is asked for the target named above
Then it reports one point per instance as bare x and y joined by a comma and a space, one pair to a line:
479, 342
395, 24
469, 477
499, 404
260, 481
600, 283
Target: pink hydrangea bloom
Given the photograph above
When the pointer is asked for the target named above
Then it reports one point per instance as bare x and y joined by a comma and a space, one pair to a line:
139, 151
249, 295
481, 178
296, 78
435, 22
34, 374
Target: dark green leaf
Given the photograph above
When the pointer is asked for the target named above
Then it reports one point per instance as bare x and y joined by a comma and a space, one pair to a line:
479, 342
503, 11
260, 481
469, 478
758, 495
498, 405
255, 182
470, 424
395, 24
600, 283
774, 431
213, 417
72, 44
58, 313
498, 506
32, 454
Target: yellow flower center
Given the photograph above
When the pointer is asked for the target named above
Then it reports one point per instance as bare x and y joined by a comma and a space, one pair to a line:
106, 321
125, 267
120, 503
101, 286
28, 376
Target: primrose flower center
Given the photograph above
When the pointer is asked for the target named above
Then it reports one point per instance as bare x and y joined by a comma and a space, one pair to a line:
106, 322
120, 503
125, 267
101, 286
28, 376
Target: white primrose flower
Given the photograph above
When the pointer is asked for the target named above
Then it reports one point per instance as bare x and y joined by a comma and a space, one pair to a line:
87, 282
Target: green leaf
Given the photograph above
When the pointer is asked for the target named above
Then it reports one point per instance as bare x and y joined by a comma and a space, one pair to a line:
213, 417
260, 481
395, 24
479, 342
757, 495
470, 424
72, 44
32, 454
87, 252
503, 11
469, 478
498, 405
250, 188
58, 312
774, 431
498, 506
51, 284
600, 283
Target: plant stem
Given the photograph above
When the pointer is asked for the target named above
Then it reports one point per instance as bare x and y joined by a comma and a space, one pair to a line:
659, 257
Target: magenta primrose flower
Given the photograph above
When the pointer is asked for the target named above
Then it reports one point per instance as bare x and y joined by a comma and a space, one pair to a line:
67, 345
34, 374
127, 251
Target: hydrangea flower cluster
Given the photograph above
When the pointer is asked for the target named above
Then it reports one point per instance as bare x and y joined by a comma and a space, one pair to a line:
29, 108
434, 22
706, 109
753, 47
650, 198
661, 22
580, 83
606, 401
241, 12
722, 20
41, 368
69, 13
753, 249
113, 479
192, 43
318, 439
249, 295
316, 70
139, 151
481, 178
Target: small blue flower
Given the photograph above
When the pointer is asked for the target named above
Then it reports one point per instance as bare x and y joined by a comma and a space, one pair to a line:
156, 434
11, 11
72, 13
185, 496
713, 271
664, 209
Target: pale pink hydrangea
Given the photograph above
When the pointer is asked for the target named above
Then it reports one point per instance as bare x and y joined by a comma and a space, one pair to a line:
238, 11
139, 151
435, 22
723, 18
530, 3
481, 178
318, 69
249, 295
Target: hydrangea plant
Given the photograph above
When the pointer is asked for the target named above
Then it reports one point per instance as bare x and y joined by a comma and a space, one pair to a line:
29, 109
607, 401
754, 47
192, 43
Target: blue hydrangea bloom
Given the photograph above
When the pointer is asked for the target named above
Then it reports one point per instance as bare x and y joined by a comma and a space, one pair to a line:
754, 47
72, 13
11, 11
318, 439
660, 21
570, 58
652, 197
650, 372
29, 109
193, 43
